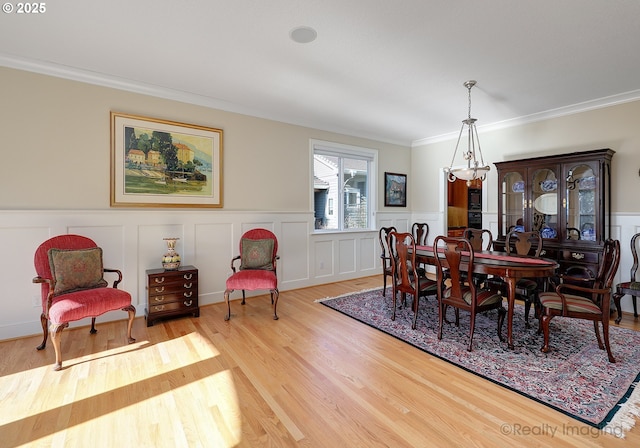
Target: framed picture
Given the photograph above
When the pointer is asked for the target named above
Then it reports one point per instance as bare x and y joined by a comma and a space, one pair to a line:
160, 163
395, 190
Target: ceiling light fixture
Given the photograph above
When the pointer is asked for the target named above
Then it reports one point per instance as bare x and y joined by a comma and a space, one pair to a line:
473, 169
303, 34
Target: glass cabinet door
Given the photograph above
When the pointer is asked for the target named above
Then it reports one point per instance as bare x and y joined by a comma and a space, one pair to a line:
580, 203
544, 197
513, 202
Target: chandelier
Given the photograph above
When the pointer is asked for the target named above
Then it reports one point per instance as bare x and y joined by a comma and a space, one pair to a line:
473, 168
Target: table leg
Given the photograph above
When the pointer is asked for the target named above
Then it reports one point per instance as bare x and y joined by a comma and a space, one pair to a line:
511, 300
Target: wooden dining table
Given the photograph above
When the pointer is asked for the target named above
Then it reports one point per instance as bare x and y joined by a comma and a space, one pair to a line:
509, 267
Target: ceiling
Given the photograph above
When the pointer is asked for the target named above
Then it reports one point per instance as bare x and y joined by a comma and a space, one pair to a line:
387, 70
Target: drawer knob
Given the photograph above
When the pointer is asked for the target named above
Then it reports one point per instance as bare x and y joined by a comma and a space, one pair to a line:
187, 294
159, 279
159, 299
160, 289
187, 285
577, 255
188, 276
188, 302
159, 308
543, 252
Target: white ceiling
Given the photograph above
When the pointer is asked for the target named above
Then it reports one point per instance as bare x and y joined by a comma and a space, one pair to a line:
387, 70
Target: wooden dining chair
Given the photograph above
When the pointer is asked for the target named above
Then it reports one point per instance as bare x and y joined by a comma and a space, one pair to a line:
385, 255
565, 300
523, 243
480, 239
407, 279
632, 287
420, 232
460, 294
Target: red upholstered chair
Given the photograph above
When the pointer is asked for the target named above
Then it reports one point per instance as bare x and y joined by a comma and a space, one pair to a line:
70, 273
257, 270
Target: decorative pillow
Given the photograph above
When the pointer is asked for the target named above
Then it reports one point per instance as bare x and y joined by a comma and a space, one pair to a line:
256, 254
73, 270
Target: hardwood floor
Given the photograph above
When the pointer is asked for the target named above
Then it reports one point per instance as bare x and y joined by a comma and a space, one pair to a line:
314, 378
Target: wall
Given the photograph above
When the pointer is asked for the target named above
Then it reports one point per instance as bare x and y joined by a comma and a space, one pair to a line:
55, 178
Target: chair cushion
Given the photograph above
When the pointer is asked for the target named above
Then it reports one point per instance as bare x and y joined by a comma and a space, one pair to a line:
252, 279
87, 303
76, 269
257, 254
574, 303
629, 285
483, 296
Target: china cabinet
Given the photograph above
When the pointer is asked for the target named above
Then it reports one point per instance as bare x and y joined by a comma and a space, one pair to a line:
566, 197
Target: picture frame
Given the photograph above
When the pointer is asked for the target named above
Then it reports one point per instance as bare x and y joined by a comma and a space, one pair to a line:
161, 163
395, 190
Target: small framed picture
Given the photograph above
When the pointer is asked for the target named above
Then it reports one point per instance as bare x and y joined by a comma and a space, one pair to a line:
395, 190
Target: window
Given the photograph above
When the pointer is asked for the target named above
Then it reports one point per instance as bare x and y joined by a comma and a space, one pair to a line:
343, 182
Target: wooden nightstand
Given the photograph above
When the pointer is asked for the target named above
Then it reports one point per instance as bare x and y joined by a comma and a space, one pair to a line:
171, 293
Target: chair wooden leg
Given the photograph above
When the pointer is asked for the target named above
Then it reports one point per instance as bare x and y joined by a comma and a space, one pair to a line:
616, 300
442, 308
384, 284
45, 332
635, 306
473, 327
275, 294
132, 314
226, 300
502, 312
416, 304
527, 308
243, 298
605, 333
93, 326
597, 330
545, 319
56, 333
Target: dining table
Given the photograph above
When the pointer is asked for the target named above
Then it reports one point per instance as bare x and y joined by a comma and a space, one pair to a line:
509, 267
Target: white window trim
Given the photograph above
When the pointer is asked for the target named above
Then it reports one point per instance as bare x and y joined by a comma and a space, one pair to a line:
342, 150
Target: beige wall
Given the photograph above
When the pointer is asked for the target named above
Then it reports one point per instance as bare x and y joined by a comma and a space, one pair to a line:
614, 127
55, 136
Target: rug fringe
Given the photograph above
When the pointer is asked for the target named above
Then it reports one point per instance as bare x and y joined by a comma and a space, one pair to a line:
347, 294
625, 418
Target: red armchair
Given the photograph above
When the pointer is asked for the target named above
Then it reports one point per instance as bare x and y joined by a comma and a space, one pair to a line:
257, 270
70, 272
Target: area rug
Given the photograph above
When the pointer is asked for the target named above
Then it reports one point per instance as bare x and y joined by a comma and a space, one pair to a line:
575, 377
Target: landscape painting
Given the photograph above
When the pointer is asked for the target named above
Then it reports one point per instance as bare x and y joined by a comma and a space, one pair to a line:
160, 163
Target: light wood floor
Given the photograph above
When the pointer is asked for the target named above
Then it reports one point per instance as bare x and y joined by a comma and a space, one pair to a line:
314, 378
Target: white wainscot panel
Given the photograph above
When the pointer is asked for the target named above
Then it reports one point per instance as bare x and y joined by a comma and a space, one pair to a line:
346, 256
214, 249
294, 252
368, 253
323, 259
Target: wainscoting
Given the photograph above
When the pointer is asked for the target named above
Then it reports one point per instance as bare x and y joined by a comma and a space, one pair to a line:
132, 241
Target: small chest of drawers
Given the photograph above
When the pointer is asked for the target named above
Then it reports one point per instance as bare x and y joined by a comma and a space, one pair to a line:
171, 293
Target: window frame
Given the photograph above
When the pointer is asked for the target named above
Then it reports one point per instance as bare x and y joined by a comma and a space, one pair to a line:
327, 148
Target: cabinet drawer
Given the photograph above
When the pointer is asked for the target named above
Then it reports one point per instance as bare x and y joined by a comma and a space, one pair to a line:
183, 305
173, 277
172, 287
581, 256
166, 298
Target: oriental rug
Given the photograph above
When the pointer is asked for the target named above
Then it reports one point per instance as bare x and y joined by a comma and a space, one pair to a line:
575, 377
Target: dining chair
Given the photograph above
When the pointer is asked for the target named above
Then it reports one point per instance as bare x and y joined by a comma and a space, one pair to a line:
420, 232
525, 244
480, 239
632, 287
385, 255
564, 300
257, 269
406, 276
70, 272
460, 294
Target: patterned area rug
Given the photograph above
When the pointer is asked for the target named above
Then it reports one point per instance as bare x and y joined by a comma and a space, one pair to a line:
575, 377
